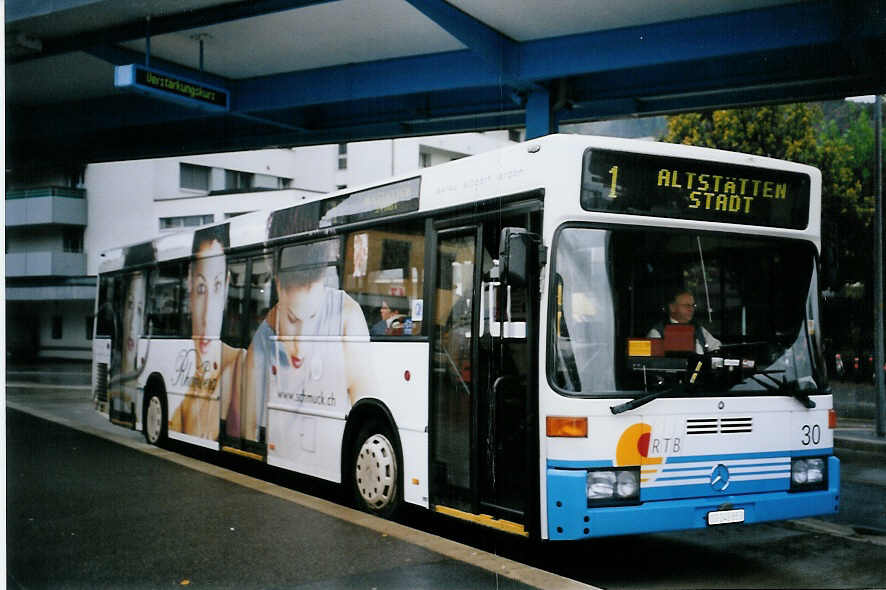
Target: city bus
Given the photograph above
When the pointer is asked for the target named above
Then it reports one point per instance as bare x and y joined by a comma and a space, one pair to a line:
495, 339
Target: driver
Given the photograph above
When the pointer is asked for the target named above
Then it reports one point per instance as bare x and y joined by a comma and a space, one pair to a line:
681, 310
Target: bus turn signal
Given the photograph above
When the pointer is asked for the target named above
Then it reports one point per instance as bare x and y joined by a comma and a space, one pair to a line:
567, 426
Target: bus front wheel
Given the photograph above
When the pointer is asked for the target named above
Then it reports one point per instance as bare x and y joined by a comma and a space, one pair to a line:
154, 422
376, 471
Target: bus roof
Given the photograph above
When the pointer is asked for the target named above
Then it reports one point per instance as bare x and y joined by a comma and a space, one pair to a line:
550, 163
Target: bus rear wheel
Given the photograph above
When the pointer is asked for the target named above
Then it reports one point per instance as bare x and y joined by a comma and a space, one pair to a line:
376, 471
154, 419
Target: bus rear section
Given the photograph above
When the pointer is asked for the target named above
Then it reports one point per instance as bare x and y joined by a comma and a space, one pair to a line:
685, 382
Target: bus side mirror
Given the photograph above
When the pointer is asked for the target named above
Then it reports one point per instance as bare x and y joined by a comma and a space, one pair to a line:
520, 256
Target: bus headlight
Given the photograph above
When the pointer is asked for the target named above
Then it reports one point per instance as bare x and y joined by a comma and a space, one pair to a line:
808, 474
613, 486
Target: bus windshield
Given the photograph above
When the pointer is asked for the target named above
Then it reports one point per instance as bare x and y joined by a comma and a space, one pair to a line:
682, 313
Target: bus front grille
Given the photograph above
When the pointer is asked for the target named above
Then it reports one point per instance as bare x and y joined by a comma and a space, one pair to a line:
719, 425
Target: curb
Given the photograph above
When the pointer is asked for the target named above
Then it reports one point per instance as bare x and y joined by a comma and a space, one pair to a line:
867, 442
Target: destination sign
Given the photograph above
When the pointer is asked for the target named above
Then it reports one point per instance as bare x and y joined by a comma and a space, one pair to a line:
660, 186
171, 87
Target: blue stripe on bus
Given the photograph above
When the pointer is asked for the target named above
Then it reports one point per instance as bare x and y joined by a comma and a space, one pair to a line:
706, 473
786, 455
708, 466
699, 490
785, 464
737, 456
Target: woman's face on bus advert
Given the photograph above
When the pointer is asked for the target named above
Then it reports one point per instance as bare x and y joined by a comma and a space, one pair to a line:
298, 313
208, 292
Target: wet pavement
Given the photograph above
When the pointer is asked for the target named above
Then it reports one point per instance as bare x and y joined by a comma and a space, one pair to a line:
90, 504
396, 556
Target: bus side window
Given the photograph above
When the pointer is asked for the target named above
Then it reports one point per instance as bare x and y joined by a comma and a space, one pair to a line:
104, 319
233, 321
262, 294
165, 300
384, 273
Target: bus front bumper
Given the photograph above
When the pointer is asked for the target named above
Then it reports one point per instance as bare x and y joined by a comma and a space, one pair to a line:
570, 518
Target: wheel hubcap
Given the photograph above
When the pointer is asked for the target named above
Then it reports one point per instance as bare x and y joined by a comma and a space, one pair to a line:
376, 472
154, 421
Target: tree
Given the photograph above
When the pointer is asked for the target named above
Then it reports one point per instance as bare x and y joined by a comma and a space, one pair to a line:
800, 133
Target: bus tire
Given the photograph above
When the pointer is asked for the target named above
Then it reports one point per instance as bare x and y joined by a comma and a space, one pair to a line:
376, 470
154, 420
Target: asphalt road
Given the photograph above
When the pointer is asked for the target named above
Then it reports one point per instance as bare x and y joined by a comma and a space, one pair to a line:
87, 512
83, 512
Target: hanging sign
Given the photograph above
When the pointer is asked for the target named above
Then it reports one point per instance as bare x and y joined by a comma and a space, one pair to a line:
171, 87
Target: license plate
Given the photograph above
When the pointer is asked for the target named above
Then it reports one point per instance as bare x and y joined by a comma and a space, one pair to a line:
725, 517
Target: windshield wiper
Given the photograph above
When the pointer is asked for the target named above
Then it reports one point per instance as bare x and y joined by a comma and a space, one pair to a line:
785, 387
781, 386
642, 401
694, 368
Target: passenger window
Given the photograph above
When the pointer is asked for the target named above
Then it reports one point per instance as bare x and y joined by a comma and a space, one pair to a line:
261, 294
165, 301
233, 323
104, 318
384, 273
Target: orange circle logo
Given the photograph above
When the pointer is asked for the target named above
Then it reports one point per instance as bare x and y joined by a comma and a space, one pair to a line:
633, 446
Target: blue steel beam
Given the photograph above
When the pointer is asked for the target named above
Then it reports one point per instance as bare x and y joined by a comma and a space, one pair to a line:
499, 51
834, 49
768, 29
666, 46
826, 72
378, 79
336, 123
805, 25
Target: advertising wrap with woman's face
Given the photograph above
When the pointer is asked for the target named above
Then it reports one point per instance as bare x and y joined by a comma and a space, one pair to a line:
299, 315
208, 287
208, 371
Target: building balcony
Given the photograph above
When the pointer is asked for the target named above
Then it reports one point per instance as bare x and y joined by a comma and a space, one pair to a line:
46, 206
45, 264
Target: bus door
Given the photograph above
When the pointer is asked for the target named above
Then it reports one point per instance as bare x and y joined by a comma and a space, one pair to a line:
128, 351
483, 401
250, 295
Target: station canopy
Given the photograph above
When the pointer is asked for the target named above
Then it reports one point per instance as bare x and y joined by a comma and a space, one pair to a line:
93, 80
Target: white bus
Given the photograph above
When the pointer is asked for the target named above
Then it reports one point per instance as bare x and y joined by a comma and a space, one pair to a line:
567, 338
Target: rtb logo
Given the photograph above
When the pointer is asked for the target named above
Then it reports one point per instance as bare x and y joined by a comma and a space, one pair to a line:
637, 446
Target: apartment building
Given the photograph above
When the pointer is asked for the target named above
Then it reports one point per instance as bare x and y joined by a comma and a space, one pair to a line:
59, 222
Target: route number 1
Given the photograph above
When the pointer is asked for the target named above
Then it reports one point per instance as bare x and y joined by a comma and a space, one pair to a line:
613, 172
